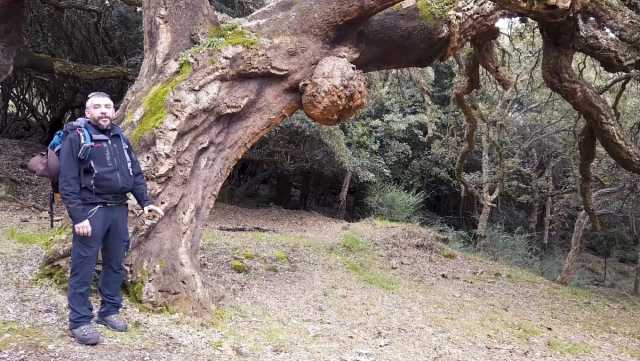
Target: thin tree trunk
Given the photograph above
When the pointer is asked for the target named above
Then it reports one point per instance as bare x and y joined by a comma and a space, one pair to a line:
569, 269
485, 213
634, 229
548, 207
533, 216
342, 199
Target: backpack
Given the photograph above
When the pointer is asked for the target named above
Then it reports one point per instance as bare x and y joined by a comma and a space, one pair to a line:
47, 164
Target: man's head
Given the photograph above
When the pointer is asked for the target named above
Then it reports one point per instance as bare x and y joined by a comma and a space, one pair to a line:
99, 109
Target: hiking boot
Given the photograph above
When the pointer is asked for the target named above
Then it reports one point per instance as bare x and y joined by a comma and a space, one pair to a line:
86, 334
113, 322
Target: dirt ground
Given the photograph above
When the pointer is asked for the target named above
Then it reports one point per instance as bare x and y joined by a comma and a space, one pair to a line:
300, 286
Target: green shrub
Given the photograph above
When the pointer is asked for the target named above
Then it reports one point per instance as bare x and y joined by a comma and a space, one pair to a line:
511, 248
393, 203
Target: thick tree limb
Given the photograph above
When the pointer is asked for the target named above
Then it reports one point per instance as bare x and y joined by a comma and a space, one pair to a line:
463, 88
71, 4
27, 59
402, 31
560, 77
587, 151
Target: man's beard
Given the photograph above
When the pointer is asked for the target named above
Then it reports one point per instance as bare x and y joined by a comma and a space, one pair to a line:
102, 122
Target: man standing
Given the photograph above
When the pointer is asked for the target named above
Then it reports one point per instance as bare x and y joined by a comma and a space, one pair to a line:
97, 170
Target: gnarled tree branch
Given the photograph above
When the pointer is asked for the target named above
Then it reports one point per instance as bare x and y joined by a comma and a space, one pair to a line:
27, 59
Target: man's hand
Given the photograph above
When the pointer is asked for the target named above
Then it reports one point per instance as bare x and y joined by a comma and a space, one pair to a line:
153, 208
83, 228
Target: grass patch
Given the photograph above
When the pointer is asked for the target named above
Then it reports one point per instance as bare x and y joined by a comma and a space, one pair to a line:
568, 348
447, 253
45, 239
353, 243
223, 316
281, 256
525, 330
247, 254
12, 334
354, 252
385, 223
133, 335
369, 276
517, 275
239, 266
282, 239
54, 273
211, 237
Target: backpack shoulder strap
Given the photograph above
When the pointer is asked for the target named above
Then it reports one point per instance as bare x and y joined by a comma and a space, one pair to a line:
125, 149
85, 142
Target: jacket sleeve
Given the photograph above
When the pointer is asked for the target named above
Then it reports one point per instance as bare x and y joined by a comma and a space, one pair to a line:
69, 178
139, 191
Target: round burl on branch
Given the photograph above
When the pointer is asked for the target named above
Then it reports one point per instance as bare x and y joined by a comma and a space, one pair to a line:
335, 91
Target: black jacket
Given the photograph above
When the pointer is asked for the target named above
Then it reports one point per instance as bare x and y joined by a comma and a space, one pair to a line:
110, 171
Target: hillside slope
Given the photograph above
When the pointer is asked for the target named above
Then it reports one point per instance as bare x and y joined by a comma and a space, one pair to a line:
299, 286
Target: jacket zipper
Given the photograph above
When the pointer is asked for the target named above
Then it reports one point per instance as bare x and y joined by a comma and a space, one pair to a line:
117, 163
93, 178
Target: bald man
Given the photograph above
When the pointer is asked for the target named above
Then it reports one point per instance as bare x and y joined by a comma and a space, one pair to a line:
97, 170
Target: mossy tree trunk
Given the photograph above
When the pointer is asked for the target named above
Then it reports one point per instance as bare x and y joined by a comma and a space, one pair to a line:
193, 120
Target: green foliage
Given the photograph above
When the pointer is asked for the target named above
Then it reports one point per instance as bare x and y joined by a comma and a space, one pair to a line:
395, 204
155, 104
56, 274
135, 290
511, 248
433, 10
218, 38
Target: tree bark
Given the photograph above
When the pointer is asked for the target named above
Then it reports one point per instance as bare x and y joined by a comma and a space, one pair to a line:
233, 96
569, 269
548, 206
485, 213
11, 38
634, 232
27, 59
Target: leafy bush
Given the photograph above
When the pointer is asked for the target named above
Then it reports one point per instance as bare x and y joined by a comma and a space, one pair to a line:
393, 203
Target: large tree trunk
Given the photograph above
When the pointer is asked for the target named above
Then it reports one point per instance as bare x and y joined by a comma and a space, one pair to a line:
11, 38
217, 108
